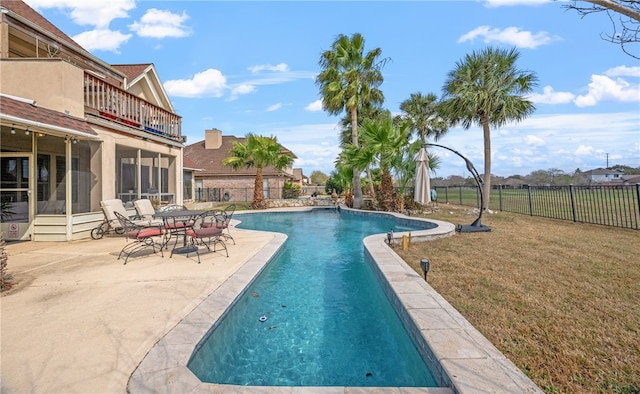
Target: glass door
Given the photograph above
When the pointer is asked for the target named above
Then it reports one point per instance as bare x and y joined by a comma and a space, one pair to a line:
15, 192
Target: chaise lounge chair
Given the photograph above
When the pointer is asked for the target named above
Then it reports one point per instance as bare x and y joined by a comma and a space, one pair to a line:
145, 211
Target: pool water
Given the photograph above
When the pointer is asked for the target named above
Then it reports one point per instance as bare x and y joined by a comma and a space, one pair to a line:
328, 321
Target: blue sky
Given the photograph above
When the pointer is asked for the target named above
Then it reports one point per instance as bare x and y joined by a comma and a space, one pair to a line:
243, 67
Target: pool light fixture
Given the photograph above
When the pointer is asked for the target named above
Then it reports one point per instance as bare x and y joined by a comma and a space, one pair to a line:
424, 265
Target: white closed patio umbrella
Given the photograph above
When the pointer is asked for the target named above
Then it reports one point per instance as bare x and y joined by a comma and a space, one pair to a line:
421, 194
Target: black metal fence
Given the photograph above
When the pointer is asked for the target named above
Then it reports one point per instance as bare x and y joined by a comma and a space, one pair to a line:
242, 194
220, 194
617, 206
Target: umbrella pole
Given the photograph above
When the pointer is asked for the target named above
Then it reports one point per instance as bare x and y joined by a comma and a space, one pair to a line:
477, 225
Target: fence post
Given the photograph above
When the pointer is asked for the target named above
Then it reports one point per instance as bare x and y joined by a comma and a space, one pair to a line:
638, 202
460, 194
573, 203
446, 193
530, 201
500, 196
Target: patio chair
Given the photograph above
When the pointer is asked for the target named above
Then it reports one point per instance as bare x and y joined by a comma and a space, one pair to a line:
111, 222
203, 231
223, 218
141, 235
145, 211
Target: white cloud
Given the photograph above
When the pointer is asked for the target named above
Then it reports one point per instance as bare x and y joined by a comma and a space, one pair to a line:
282, 67
314, 144
510, 35
533, 140
98, 13
550, 96
157, 23
209, 83
604, 88
584, 150
274, 107
623, 71
242, 89
315, 106
101, 40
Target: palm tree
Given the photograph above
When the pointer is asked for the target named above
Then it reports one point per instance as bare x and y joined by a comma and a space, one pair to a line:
487, 89
382, 143
349, 79
422, 114
366, 112
258, 152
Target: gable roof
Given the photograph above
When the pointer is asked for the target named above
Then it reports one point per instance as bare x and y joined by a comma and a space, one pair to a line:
210, 160
25, 113
603, 171
513, 182
189, 164
132, 71
146, 78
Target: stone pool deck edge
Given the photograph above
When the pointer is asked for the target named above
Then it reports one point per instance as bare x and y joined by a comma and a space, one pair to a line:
466, 361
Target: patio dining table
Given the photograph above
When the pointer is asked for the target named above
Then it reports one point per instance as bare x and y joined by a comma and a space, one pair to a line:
177, 222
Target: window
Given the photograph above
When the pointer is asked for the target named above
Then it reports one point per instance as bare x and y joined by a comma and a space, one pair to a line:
187, 185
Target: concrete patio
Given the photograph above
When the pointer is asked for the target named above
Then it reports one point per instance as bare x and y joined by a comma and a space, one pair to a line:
79, 321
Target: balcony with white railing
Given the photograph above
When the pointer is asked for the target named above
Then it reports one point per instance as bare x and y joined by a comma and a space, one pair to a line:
112, 103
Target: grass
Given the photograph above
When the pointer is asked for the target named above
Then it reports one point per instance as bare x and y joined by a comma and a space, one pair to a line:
559, 299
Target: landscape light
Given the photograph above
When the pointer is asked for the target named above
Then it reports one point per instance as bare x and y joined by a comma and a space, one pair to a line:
424, 264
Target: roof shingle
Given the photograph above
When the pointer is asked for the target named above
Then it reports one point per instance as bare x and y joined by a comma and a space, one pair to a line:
33, 113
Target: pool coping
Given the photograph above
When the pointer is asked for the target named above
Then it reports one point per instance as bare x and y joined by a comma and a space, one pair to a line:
464, 359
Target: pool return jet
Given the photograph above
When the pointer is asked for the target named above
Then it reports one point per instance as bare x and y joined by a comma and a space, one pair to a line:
477, 225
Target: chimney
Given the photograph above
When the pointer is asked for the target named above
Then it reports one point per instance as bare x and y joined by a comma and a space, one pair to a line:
212, 139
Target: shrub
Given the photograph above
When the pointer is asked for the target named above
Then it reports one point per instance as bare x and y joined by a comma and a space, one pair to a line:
331, 185
291, 190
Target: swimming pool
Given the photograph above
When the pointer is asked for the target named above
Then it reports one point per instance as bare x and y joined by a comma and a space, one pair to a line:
465, 361
317, 315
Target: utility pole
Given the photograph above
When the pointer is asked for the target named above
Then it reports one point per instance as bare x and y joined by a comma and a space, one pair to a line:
607, 160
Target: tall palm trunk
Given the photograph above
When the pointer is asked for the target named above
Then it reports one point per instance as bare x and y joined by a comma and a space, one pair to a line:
486, 132
427, 176
372, 190
258, 191
357, 187
386, 187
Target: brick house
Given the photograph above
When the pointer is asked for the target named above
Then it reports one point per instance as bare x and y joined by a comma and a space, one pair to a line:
216, 182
